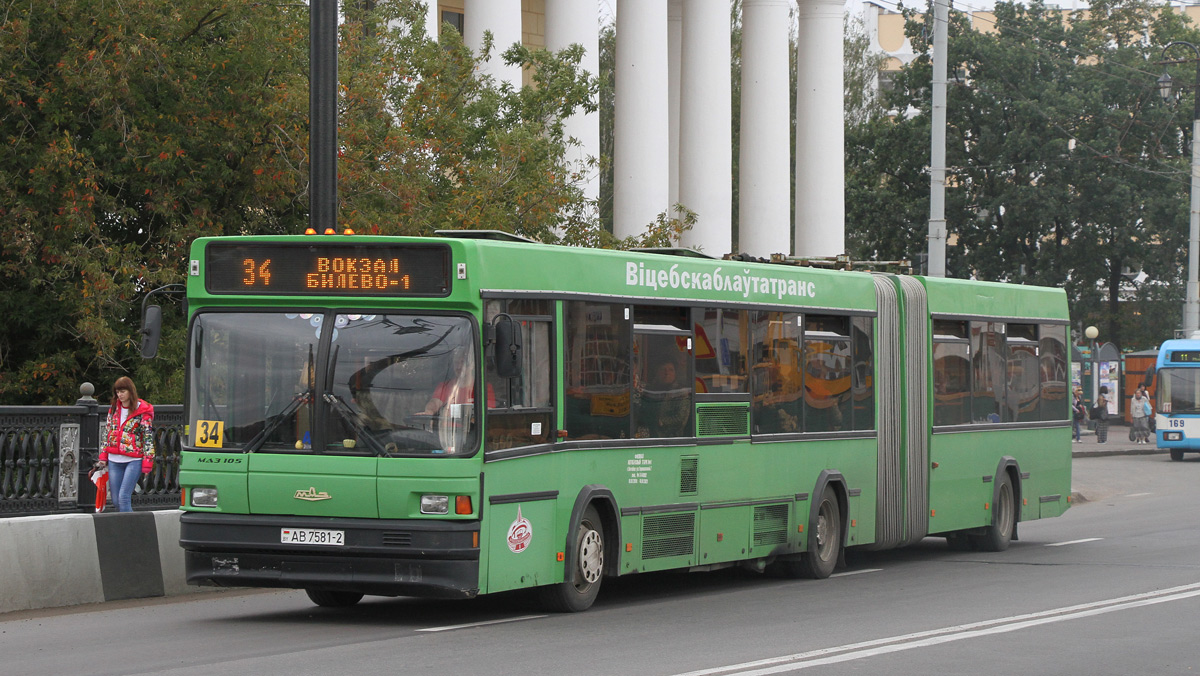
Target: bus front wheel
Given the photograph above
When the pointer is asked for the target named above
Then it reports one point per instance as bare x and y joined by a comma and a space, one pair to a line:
1176, 454
581, 584
1004, 517
333, 599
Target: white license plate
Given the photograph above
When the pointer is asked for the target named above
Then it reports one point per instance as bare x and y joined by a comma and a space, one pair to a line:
312, 536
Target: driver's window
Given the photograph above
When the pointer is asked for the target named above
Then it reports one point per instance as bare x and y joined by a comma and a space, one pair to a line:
402, 384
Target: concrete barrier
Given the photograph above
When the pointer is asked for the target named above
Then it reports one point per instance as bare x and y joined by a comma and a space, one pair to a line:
69, 559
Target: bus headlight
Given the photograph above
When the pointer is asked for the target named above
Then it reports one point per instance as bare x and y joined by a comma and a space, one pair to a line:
1172, 436
204, 497
435, 504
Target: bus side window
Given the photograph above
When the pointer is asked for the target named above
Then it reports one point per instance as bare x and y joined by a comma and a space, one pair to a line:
776, 375
1055, 402
523, 411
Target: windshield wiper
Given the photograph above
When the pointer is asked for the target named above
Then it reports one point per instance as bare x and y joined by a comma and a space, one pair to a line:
276, 420
339, 406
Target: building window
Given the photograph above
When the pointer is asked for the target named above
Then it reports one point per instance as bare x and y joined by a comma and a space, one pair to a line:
455, 19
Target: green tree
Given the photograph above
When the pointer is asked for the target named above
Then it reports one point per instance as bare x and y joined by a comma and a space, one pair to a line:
129, 128
133, 127
1056, 147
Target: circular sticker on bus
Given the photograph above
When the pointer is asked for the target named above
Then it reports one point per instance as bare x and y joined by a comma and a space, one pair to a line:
519, 533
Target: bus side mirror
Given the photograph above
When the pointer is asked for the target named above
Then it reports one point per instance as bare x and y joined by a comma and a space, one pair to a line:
1148, 380
506, 348
151, 331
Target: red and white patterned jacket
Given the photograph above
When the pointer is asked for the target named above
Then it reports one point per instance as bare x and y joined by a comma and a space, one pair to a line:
135, 438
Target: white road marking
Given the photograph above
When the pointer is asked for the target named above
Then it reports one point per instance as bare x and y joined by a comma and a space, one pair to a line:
484, 624
857, 572
856, 651
1073, 542
1137, 495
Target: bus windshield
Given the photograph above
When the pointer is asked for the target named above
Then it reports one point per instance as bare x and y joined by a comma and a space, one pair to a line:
383, 385
1179, 390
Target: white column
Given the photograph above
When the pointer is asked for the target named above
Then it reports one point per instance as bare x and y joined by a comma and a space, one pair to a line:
820, 183
674, 46
764, 195
705, 133
640, 166
433, 20
571, 22
503, 19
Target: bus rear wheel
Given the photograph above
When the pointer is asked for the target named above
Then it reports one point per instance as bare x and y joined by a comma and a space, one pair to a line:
333, 599
581, 585
1004, 518
825, 541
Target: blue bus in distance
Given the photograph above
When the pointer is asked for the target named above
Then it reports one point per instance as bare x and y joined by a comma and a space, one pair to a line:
1177, 401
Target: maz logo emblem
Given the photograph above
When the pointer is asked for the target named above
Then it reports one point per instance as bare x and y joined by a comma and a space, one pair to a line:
312, 495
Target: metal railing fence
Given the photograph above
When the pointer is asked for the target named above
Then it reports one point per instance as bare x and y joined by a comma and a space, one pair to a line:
46, 452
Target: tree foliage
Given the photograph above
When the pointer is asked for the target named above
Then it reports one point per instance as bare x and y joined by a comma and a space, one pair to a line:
132, 127
1064, 168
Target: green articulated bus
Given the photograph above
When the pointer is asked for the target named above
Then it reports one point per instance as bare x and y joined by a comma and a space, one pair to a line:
467, 414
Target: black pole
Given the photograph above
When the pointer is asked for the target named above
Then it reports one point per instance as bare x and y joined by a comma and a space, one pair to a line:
322, 111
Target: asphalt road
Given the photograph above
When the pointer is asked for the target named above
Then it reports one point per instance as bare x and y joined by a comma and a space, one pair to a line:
1112, 587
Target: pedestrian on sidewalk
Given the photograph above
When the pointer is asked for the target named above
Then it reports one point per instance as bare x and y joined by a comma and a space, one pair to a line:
128, 450
1078, 413
1139, 411
1101, 417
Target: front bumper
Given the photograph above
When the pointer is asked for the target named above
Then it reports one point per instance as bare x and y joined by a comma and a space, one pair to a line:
388, 557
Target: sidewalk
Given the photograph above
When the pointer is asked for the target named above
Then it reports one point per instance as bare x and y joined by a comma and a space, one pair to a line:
1118, 444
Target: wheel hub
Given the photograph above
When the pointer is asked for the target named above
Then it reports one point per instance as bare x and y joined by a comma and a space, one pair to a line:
591, 556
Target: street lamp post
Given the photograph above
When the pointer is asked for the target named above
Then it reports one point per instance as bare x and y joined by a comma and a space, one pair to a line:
1191, 308
1091, 332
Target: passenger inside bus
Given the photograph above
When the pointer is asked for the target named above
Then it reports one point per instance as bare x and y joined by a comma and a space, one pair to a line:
666, 401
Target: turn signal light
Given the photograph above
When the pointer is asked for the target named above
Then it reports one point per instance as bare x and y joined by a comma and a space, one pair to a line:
310, 231
462, 504
330, 231
347, 231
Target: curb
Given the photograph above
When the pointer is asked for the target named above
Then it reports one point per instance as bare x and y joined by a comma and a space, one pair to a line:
1117, 451
71, 559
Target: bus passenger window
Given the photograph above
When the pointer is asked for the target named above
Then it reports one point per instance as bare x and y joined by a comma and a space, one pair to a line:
1022, 401
951, 372
863, 384
721, 339
776, 377
663, 391
827, 361
1055, 405
596, 369
988, 366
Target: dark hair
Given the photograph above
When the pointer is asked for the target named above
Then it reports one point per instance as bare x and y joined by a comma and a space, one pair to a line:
125, 383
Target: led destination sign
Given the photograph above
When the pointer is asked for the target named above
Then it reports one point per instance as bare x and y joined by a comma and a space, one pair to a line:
336, 270
1185, 356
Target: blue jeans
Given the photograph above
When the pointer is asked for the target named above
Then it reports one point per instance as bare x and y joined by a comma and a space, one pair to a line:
1075, 426
122, 477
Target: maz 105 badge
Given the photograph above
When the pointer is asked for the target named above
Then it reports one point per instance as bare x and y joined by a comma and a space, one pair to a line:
519, 533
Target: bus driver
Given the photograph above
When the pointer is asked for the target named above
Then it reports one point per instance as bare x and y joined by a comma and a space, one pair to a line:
459, 388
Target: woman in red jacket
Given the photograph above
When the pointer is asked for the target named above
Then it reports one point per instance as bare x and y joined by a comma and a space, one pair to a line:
128, 443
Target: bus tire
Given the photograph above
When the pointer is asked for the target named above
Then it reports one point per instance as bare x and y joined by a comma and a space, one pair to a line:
581, 584
996, 537
825, 540
333, 599
1176, 454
